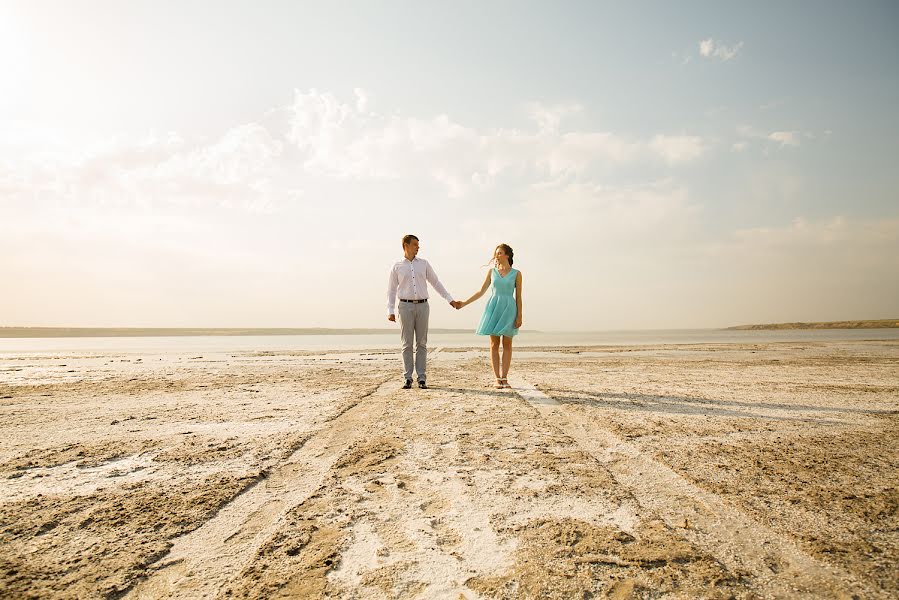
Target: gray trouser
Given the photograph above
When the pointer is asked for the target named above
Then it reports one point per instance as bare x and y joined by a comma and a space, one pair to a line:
414, 321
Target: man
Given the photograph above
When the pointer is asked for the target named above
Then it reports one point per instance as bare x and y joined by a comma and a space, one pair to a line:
409, 279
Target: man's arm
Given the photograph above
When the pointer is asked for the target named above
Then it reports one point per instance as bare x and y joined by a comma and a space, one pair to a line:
393, 283
431, 276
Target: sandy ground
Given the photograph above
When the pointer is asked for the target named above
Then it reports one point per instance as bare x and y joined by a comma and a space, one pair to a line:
711, 471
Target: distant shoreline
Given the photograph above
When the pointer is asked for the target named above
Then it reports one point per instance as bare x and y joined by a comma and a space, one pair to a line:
88, 332
54, 332
874, 324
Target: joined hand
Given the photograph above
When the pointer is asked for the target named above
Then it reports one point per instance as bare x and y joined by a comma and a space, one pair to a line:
457, 304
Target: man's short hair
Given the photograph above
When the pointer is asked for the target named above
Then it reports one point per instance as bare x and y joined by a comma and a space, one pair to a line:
407, 239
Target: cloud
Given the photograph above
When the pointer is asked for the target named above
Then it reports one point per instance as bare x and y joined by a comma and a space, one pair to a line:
361, 99
336, 139
608, 214
710, 48
549, 117
572, 153
785, 138
317, 138
677, 149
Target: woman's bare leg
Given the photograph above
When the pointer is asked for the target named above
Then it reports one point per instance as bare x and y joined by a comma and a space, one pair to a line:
494, 354
507, 356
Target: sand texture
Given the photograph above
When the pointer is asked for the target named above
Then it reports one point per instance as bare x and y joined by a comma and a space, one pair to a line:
674, 471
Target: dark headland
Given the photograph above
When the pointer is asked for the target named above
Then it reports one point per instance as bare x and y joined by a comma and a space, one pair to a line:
873, 324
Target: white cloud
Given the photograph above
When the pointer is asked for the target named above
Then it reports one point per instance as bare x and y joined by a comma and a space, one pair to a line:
549, 117
321, 137
606, 215
336, 139
710, 48
572, 153
785, 138
749, 132
361, 100
677, 149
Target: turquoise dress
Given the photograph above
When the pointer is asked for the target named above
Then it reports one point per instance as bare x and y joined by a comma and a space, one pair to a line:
501, 310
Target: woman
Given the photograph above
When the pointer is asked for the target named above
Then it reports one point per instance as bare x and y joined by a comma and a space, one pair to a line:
502, 315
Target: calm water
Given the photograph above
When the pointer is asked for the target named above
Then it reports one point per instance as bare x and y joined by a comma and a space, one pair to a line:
356, 342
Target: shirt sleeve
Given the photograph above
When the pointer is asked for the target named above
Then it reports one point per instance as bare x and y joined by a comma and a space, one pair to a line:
433, 280
393, 283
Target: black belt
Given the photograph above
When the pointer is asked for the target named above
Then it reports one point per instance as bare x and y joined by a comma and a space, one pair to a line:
414, 301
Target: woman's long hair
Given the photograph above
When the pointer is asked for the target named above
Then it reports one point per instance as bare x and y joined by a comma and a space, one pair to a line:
507, 249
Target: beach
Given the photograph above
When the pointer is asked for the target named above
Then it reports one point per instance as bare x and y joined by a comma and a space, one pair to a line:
709, 470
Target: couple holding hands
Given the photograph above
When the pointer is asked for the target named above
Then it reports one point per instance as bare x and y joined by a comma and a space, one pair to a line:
501, 320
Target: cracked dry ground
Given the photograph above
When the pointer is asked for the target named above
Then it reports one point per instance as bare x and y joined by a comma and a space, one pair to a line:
102, 471
456, 491
799, 437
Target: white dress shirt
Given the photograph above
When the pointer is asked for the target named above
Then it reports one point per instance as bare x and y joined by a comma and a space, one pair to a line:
409, 279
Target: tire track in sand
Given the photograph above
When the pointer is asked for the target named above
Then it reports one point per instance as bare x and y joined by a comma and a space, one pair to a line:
201, 563
775, 565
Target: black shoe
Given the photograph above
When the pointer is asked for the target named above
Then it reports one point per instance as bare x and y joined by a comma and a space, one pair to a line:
408, 384
422, 384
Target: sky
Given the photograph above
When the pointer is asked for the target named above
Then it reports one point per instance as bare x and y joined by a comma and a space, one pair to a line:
256, 164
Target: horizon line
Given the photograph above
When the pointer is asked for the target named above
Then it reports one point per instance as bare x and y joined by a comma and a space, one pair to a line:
16, 331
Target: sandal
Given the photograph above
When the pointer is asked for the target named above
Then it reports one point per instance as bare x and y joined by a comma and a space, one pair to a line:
506, 384
502, 384
499, 384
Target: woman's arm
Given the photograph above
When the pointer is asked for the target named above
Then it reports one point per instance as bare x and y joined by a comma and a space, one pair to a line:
479, 293
518, 299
